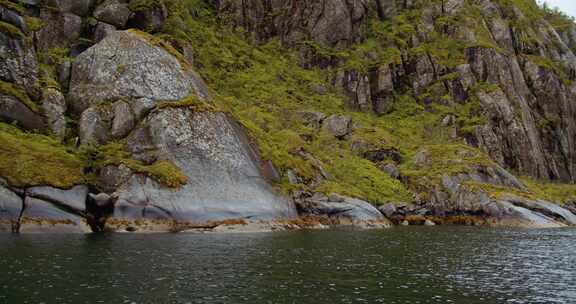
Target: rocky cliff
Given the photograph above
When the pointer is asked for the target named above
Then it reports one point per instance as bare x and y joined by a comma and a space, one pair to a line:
137, 115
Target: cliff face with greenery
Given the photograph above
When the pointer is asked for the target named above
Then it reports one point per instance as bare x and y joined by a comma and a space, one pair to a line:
459, 111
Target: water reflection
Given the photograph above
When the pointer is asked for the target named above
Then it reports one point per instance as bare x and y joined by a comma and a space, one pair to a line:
404, 265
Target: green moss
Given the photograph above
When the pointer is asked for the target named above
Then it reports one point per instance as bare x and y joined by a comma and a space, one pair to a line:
140, 5
11, 30
446, 159
550, 191
17, 7
34, 160
19, 93
356, 177
548, 64
163, 171
34, 24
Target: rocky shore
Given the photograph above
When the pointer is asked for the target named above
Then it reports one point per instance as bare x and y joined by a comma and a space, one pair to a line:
154, 116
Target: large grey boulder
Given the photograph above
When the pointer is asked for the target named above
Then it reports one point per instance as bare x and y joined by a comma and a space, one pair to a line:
10, 209
125, 65
547, 209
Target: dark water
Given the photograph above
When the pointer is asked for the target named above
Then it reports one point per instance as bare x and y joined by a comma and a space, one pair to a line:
401, 265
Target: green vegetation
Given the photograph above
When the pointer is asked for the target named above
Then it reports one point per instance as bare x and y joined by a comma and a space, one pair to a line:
16, 91
17, 7
163, 171
34, 160
265, 89
34, 24
49, 60
11, 30
139, 5
553, 192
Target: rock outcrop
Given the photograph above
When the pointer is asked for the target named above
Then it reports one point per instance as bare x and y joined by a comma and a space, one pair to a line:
439, 104
334, 23
224, 181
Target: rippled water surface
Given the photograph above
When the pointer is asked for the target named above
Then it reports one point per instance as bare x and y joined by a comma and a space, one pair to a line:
401, 265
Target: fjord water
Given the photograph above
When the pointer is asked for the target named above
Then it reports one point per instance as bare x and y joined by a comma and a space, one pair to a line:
400, 265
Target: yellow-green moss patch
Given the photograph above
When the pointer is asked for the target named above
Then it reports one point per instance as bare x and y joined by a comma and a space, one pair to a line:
33, 160
19, 93
163, 171
11, 30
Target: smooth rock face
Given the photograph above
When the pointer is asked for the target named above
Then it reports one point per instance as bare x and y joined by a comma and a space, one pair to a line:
522, 217
545, 208
10, 209
42, 217
73, 199
339, 207
224, 181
